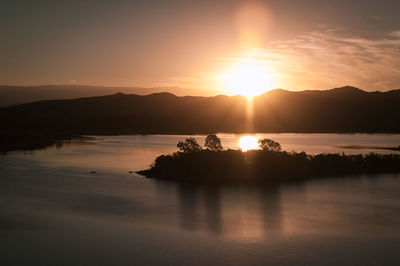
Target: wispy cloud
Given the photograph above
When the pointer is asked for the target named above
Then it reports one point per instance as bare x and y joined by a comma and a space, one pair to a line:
327, 58
322, 59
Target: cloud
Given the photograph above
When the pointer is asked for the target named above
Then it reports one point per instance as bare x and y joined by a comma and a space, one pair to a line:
395, 34
321, 59
328, 58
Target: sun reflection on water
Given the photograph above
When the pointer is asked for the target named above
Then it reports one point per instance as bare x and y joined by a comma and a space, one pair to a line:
248, 143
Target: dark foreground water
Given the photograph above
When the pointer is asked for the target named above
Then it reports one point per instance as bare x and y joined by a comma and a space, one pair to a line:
54, 212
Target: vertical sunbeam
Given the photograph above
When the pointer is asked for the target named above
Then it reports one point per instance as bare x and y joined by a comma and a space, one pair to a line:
249, 114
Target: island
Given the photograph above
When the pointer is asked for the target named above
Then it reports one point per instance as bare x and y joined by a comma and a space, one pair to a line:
268, 164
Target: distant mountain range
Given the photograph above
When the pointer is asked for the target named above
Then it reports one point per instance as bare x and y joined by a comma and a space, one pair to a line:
12, 95
340, 110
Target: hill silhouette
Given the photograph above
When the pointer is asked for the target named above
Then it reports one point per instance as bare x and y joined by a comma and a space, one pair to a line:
345, 109
341, 110
12, 95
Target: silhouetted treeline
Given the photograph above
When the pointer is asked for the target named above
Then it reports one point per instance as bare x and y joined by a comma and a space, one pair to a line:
261, 166
342, 110
32, 140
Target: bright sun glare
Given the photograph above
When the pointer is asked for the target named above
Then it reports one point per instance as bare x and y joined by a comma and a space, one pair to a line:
248, 79
248, 143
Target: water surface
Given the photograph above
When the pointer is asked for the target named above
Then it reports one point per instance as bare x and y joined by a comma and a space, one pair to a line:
54, 212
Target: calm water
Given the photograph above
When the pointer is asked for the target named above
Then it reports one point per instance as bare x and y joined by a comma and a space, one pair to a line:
54, 212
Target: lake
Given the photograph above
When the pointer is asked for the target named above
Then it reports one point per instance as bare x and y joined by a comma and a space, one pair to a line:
55, 212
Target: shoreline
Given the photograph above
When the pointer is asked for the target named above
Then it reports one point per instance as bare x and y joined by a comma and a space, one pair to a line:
265, 167
31, 140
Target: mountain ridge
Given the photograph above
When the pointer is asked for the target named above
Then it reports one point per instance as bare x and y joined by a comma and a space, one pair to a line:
14, 95
165, 113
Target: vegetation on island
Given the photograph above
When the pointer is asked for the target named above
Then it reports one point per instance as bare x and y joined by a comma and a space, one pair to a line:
269, 164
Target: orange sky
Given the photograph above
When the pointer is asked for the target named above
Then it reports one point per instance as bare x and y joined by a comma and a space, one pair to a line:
304, 44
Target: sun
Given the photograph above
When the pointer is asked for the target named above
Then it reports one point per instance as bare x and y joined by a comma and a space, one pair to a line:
248, 143
248, 79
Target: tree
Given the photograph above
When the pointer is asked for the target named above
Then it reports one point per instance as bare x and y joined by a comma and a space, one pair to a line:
213, 143
189, 145
269, 145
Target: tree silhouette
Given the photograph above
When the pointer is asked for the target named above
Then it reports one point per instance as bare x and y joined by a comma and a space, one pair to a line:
189, 145
213, 143
269, 145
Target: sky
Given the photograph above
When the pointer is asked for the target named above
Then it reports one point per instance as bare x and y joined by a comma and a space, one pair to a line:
301, 44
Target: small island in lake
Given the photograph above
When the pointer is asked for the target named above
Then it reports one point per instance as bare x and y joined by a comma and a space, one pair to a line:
269, 164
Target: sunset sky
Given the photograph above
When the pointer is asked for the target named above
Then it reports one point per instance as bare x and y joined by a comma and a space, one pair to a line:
208, 44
